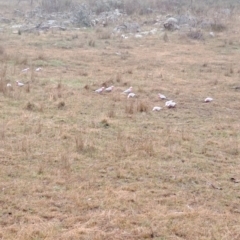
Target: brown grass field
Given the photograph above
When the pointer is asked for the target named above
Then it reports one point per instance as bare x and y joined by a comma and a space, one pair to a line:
80, 165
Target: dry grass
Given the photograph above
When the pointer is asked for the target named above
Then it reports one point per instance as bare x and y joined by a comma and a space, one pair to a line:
81, 165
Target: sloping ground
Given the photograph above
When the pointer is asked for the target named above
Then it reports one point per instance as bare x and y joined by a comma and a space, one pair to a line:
80, 165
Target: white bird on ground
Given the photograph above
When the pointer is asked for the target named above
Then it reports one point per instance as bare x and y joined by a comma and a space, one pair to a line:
129, 90
38, 69
20, 84
170, 104
208, 99
161, 96
100, 90
157, 108
109, 89
131, 95
25, 70
9, 85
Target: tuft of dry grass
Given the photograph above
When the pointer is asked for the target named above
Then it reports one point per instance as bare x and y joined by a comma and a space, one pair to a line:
61, 105
91, 43
129, 108
142, 106
104, 33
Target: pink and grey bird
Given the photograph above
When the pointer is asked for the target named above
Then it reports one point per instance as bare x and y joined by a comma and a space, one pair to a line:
208, 99
109, 89
161, 96
100, 90
127, 91
131, 95
19, 84
170, 104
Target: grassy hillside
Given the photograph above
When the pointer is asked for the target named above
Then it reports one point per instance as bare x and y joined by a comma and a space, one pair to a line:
80, 165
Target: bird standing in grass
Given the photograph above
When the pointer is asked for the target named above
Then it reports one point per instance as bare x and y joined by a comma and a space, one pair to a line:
170, 104
19, 84
25, 70
127, 91
38, 69
161, 96
109, 89
100, 90
131, 95
157, 108
208, 99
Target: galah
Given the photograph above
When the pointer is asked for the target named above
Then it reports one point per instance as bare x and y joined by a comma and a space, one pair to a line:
109, 89
100, 90
131, 95
156, 108
38, 69
170, 104
20, 84
208, 99
129, 90
161, 96
25, 70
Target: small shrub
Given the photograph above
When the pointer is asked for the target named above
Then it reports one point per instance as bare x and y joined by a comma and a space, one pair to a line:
56, 5
111, 113
105, 123
30, 106
196, 35
59, 86
91, 43
104, 34
218, 27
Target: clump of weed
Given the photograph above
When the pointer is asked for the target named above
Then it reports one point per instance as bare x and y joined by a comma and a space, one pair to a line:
61, 105
142, 107
105, 123
129, 108
83, 73
116, 97
118, 77
218, 27
27, 88
130, 71
3, 73
91, 43
147, 147
104, 33
41, 56
86, 87
3, 88
30, 106
22, 60
59, 86
165, 37
195, 35
79, 143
